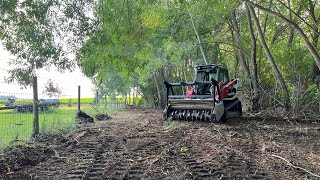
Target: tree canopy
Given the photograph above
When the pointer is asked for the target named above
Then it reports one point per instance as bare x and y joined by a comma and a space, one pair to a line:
273, 46
43, 34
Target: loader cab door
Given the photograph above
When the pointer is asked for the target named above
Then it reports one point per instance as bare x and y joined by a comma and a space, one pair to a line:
206, 75
223, 75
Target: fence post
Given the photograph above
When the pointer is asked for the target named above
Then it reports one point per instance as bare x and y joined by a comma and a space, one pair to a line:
97, 97
129, 96
105, 102
79, 91
35, 107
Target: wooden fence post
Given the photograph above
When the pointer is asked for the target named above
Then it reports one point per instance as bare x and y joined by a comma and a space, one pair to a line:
79, 98
129, 97
97, 98
105, 102
35, 107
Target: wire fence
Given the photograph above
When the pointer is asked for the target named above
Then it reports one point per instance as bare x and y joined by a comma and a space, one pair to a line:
55, 115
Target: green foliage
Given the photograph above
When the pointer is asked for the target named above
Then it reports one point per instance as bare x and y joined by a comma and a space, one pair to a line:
184, 149
142, 44
18, 126
75, 100
304, 98
122, 44
89, 100
170, 124
42, 34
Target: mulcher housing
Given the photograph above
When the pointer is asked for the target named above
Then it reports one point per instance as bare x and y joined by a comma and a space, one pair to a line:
212, 96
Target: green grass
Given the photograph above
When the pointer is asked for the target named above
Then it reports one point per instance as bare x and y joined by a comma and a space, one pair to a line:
75, 100
19, 126
19, 101
91, 100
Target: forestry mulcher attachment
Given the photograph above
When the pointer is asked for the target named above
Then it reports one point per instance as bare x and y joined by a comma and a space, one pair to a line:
210, 97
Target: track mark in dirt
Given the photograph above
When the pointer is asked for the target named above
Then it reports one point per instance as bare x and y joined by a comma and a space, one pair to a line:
197, 170
84, 154
77, 162
237, 167
240, 164
136, 144
117, 161
142, 155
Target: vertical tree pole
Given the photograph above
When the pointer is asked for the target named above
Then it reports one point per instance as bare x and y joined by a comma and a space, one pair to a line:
198, 37
129, 100
79, 90
97, 97
35, 107
105, 102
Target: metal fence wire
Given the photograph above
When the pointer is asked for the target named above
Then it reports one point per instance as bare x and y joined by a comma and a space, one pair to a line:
16, 121
55, 115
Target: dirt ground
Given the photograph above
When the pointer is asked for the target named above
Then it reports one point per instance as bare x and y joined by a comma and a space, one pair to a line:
137, 144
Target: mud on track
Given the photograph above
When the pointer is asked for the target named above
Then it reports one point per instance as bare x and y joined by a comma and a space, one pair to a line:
136, 144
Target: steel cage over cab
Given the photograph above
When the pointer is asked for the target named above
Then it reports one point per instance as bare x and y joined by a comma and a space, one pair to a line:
207, 72
212, 96
189, 101
182, 106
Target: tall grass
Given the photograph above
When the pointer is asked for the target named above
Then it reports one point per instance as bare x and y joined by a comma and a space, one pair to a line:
18, 127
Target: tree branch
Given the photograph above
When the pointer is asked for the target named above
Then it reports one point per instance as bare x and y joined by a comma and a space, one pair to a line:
312, 49
297, 167
297, 15
195, 30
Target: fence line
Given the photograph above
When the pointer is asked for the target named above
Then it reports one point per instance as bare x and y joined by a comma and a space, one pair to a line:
17, 114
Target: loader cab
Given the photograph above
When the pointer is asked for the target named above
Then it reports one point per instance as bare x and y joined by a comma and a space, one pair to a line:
216, 72
223, 75
208, 72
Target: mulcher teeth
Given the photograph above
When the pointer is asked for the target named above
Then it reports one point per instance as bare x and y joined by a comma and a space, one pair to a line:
192, 115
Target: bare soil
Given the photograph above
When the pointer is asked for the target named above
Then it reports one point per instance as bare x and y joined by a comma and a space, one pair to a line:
137, 144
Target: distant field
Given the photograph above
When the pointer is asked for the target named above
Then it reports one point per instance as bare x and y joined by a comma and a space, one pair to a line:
19, 101
18, 126
91, 100
75, 100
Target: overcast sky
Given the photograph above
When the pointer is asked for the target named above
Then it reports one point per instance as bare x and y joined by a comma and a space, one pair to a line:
68, 81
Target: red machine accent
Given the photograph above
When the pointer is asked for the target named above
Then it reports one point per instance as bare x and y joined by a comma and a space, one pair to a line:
224, 90
190, 92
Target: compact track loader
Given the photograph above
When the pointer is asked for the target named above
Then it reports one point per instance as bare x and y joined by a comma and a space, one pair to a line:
211, 96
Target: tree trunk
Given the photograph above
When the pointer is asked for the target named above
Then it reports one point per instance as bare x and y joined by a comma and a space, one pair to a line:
236, 64
315, 39
266, 20
198, 37
291, 28
238, 39
312, 49
162, 91
129, 100
158, 90
270, 57
255, 96
241, 54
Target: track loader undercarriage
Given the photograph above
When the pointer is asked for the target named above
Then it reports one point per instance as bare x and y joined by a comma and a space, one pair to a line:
211, 97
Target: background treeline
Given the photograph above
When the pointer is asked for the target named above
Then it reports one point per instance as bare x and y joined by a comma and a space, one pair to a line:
272, 45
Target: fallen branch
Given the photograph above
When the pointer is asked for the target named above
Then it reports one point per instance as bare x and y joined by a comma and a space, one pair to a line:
297, 167
94, 107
